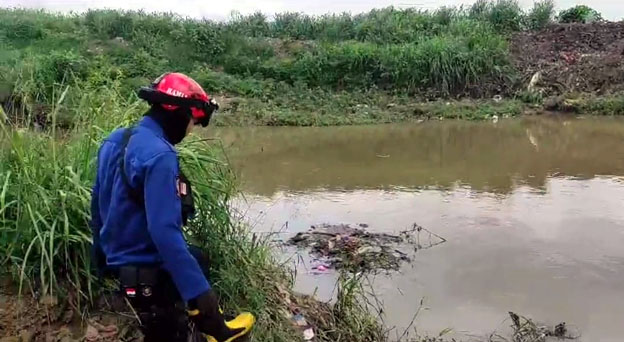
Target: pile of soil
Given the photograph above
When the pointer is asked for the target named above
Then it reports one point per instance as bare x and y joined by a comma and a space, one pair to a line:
354, 248
585, 58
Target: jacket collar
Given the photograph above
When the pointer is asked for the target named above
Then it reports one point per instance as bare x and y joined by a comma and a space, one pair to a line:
152, 125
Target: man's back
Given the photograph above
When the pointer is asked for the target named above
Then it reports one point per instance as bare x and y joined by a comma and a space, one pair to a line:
143, 229
137, 217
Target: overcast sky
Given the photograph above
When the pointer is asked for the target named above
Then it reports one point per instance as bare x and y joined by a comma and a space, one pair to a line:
611, 9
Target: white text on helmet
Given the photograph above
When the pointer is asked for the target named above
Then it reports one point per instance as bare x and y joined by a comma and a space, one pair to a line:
174, 92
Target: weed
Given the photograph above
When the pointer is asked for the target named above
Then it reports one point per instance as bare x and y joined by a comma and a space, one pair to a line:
579, 14
504, 15
608, 105
542, 14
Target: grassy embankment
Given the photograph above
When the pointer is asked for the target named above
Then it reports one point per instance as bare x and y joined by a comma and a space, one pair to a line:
383, 66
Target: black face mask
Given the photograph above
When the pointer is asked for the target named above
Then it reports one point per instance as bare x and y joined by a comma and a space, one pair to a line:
174, 123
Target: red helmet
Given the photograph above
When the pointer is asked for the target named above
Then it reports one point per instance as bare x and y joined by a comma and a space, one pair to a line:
173, 90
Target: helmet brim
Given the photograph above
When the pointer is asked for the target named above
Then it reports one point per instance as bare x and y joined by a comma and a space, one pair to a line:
153, 96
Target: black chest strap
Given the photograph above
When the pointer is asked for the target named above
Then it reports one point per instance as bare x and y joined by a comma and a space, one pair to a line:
186, 196
135, 194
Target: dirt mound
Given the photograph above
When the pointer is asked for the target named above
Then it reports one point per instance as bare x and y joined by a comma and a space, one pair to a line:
572, 57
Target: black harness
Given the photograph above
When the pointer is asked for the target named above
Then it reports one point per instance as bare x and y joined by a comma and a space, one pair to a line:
184, 185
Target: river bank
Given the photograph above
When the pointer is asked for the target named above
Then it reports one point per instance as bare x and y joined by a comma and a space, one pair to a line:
562, 68
366, 109
384, 66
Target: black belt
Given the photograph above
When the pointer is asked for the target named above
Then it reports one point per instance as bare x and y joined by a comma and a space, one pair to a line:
139, 280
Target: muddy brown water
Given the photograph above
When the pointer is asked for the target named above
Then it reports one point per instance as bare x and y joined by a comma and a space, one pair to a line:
533, 211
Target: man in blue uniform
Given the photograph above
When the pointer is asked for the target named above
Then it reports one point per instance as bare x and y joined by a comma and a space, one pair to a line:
141, 201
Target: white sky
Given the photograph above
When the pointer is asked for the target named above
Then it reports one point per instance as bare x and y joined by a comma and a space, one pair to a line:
610, 9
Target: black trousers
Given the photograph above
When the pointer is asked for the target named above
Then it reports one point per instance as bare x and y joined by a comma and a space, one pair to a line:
163, 312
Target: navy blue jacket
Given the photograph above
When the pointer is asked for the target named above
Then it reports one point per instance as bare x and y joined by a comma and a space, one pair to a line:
133, 233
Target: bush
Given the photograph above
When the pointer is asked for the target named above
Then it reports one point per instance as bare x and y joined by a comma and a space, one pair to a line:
17, 26
336, 27
110, 23
444, 16
504, 15
447, 63
390, 25
254, 25
294, 25
541, 14
579, 14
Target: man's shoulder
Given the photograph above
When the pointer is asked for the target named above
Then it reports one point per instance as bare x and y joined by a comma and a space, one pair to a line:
143, 145
115, 136
111, 142
151, 144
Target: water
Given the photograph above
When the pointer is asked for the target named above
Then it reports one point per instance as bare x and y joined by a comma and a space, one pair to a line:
532, 210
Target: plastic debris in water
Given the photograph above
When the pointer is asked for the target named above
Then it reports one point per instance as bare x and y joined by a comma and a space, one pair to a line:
300, 320
320, 268
308, 334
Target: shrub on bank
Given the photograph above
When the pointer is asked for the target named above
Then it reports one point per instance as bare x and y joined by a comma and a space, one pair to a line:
579, 14
542, 14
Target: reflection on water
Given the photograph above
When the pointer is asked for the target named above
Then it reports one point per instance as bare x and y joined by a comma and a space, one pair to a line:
485, 156
531, 228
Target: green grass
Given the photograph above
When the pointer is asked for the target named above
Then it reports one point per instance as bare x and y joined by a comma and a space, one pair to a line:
443, 52
541, 14
387, 25
579, 14
376, 67
293, 69
610, 105
45, 197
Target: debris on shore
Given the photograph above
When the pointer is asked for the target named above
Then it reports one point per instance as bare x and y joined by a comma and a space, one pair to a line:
525, 330
563, 58
346, 246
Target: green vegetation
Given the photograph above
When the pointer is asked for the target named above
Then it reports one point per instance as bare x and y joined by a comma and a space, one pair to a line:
541, 14
294, 69
605, 105
68, 80
388, 49
579, 14
281, 70
349, 108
